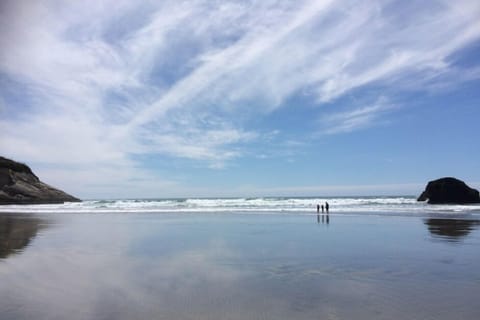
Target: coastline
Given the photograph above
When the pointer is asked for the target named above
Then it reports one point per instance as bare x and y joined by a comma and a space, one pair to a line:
371, 205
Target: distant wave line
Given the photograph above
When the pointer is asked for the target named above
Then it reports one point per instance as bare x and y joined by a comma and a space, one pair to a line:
338, 205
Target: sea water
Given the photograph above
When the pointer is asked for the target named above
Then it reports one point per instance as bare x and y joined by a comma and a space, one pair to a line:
406, 205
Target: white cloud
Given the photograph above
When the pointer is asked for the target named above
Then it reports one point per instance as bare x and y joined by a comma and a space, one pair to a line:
202, 145
352, 120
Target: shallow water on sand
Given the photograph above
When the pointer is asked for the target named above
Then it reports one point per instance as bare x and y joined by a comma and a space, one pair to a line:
236, 266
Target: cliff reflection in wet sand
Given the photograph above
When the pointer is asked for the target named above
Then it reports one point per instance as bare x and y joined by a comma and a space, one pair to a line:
451, 229
16, 232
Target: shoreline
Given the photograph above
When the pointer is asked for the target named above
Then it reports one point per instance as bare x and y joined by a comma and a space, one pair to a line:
364, 206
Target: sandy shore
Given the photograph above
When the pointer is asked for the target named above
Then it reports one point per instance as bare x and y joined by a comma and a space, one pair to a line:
171, 266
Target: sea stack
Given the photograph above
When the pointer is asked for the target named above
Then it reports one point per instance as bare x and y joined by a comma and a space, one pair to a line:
19, 185
449, 191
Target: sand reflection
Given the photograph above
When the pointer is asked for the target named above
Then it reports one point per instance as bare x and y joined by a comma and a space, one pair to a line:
237, 267
451, 229
16, 232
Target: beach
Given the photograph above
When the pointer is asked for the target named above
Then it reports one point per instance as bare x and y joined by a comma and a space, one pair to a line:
239, 160
239, 265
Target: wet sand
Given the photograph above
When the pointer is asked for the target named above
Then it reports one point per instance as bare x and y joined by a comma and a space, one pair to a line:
238, 266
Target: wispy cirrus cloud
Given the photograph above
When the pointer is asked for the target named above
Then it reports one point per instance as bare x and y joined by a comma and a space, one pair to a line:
200, 144
100, 82
359, 118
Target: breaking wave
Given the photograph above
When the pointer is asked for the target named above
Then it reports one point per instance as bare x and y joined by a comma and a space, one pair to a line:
273, 205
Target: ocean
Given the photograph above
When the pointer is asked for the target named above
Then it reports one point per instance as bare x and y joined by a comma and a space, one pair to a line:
373, 205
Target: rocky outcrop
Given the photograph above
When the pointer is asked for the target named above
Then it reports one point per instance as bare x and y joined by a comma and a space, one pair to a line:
449, 191
19, 185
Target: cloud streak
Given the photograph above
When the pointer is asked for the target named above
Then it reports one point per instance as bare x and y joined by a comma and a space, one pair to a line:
352, 120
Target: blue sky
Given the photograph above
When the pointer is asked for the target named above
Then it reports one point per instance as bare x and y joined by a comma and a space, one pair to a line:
241, 98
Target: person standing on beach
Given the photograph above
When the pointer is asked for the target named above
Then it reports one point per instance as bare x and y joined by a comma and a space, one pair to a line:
326, 206
318, 208
323, 208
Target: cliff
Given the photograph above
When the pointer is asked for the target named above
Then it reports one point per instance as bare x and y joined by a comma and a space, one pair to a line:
19, 185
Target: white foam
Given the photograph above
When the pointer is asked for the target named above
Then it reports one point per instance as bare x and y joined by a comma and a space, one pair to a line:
338, 205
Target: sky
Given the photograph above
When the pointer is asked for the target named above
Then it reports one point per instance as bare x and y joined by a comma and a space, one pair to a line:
128, 99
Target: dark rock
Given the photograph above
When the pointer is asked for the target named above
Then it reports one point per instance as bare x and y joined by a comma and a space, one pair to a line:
449, 191
19, 185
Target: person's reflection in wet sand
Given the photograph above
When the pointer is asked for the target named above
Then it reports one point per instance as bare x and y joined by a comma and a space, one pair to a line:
16, 232
325, 218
